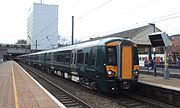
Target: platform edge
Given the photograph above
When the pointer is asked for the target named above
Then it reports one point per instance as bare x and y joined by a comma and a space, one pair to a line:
47, 92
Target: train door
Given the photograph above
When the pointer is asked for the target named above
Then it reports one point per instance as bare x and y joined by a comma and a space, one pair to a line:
74, 74
126, 62
73, 61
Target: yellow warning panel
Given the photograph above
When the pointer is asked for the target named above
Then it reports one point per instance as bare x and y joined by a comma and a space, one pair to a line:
126, 62
112, 68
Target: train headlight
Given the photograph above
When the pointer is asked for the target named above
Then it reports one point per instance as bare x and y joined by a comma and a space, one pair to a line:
111, 73
136, 74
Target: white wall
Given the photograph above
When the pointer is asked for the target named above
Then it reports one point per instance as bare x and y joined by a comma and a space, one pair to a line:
43, 23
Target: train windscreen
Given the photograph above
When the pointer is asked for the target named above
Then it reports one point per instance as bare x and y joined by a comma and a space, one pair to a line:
111, 55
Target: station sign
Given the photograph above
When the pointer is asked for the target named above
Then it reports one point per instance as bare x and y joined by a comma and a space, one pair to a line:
159, 39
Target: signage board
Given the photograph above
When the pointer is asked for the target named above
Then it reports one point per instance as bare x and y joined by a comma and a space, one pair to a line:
159, 39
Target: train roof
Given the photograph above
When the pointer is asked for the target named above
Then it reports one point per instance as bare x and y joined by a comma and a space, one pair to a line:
81, 45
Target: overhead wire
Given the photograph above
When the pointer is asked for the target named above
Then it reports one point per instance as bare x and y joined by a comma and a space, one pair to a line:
31, 40
49, 35
49, 41
107, 2
89, 12
167, 17
95, 9
140, 6
102, 5
155, 20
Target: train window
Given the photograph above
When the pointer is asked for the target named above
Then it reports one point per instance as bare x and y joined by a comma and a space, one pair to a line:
37, 57
54, 56
93, 60
136, 61
67, 60
71, 58
57, 56
75, 58
111, 55
67, 57
80, 58
34, 57
93, 55
48, 57
86, 58
61, 57
40, 57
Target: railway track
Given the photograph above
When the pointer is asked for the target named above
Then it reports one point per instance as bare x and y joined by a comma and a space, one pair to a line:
131, 100
67, 99
95, 99
143, 102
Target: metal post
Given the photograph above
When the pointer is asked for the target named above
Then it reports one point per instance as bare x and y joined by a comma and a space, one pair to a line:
166, 71
150, 52
154, 62
154, 30
72, 30
36, 45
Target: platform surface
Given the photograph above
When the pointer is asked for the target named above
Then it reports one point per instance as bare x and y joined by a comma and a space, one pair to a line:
161, 70
159, 81
19, 90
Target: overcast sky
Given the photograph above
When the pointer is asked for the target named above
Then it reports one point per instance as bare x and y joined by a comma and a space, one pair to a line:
92, 17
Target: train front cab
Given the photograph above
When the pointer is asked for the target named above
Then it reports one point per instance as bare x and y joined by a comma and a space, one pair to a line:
122, 67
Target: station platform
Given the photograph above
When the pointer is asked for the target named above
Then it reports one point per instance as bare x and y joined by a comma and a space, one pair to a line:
19, 90
159, 81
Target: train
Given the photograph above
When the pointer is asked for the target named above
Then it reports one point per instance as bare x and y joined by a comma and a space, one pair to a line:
106, 65
159, 58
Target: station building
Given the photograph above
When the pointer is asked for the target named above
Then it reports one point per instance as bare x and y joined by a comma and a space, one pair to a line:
175, 48
175, 43
42, 26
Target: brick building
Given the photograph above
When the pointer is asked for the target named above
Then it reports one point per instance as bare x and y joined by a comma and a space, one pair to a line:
175, 48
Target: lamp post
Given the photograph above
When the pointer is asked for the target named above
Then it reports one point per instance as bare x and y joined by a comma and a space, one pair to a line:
36, 45
154, 50
166, 71
72, 30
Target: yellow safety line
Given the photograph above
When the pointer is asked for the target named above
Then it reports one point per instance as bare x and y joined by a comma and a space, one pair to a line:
14, 87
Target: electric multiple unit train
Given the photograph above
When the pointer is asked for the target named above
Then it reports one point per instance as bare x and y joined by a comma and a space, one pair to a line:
108, 65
